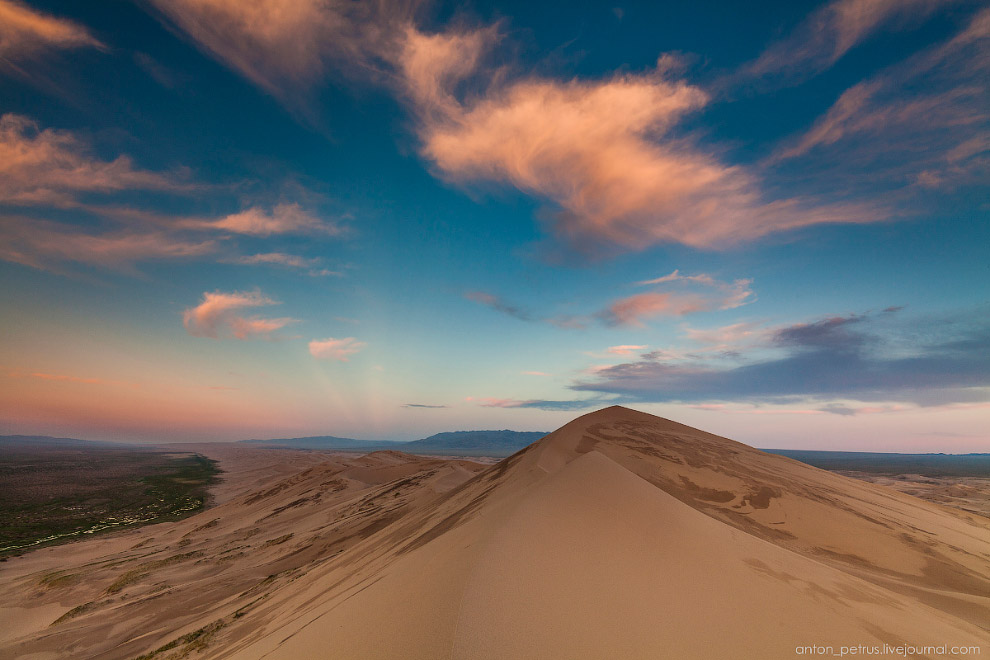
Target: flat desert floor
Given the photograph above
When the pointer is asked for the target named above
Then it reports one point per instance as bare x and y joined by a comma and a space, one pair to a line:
620, 535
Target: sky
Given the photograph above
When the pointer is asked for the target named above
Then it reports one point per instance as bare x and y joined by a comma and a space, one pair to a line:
223, 220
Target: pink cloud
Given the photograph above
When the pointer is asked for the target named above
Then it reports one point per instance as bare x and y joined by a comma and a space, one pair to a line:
830, 32
625, 349
729, 337
279, 258
920, 120
44, 245
219, 315
53, 167
25, 32
695, 293
603, 153
632, 310
282, 219
492, 402
534, 373
335, 349
287, 47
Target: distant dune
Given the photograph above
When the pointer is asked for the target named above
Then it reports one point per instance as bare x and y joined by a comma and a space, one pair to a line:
451, 443
620, 535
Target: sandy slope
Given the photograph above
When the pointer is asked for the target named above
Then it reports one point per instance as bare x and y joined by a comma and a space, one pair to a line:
621, 535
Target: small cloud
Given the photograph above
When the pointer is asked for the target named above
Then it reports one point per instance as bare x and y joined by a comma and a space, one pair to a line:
48, 245
335, 349
540, 404
26, 33
625, 349
281, 219
161, 74
831, 31
727, 337
693, 293
53, 167
534, 373
422, 405
279, 258
219, 315
498, 304
289, 261
849, 411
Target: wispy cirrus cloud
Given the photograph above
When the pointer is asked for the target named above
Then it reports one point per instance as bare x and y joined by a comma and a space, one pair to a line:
693, 293
279, 258
289, 47
335, 349
625, 349
312, 265
53, 168
498, 304
423, 405
832, 31
26, 33
285, 218
540, 404
220, 315
923, 122
48, 170
50, 245
674, 295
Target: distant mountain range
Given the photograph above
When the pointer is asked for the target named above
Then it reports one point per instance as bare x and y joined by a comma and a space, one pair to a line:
46, 441
451, 443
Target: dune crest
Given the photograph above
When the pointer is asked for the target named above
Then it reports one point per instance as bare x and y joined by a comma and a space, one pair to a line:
620, 534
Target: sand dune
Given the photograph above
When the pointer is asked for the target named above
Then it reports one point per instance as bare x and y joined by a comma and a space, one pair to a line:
621, 535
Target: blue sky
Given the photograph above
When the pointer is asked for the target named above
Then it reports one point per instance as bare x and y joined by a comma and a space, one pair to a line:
388, 219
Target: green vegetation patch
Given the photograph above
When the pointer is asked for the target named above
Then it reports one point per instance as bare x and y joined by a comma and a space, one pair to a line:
52, 495
183, 646
146, 569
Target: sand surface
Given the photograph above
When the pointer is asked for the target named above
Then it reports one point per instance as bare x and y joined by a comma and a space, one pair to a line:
621, 535
970, 494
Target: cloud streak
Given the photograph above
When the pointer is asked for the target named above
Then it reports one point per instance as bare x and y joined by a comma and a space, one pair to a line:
47, 245
696, 293
285, 218
289, 47
26, 33
335, 349
220, 315
832, 31
53, 168
690, 294
921, 122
